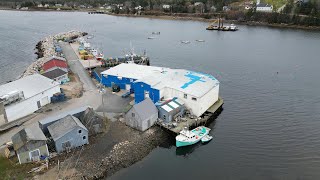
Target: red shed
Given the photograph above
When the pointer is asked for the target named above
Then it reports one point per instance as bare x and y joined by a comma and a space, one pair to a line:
55, 62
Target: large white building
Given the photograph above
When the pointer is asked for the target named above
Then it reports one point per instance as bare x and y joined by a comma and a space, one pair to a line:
25, 96
197, 90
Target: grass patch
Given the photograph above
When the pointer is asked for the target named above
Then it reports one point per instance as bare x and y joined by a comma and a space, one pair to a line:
9, 169
276, 3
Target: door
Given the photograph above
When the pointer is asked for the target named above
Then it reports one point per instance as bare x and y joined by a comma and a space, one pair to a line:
35, 155
44, 101
38, 104
146, 94
66, 146
128, 87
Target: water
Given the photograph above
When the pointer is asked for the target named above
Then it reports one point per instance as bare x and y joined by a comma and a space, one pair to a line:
269, 128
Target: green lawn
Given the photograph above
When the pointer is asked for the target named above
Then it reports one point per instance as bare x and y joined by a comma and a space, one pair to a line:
10, 170
276, 3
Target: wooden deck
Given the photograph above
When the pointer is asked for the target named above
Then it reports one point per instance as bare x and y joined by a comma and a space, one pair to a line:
193, 122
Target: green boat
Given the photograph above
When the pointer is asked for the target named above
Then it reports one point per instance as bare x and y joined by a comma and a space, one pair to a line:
187, 137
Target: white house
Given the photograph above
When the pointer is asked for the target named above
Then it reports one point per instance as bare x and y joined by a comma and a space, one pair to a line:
25, 96
262, 7
198, 91
166, 6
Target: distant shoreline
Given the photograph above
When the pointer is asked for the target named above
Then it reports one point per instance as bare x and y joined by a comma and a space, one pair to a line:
248, 23
168, 17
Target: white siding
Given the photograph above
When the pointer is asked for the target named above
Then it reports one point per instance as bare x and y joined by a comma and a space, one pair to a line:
199, 106
28, 106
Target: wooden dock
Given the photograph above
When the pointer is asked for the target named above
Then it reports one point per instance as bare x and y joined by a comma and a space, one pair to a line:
194, 122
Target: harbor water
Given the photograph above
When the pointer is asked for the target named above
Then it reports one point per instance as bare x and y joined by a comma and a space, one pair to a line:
270, 125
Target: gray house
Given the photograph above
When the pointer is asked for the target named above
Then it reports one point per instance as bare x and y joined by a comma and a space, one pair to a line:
68, 133
170, 109
30, 145
142, 115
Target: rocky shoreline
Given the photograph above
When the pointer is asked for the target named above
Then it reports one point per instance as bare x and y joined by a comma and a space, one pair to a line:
45, 49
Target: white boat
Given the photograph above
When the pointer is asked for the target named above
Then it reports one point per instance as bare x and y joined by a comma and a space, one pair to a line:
185, 42
151, 37
100, 56
233, 27
187, 137
200, 40
206, 139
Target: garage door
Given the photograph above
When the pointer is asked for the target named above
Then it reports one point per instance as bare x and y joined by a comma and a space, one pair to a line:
128, 87
44, 101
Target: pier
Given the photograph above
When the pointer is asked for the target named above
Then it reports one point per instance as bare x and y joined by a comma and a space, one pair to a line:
194, 122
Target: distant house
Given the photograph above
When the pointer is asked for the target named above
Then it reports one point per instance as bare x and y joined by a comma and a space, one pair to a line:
142, 115
170, 109
25, 96
166, 6
138, 8
54, 62
40, 5
57, 75
226, 8
82, 6
68, 133
262, 7
46, 5
30, 145
58, 5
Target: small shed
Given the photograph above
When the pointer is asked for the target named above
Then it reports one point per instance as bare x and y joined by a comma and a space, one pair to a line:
55, 61
57, 74
142, 115
169, 109
30, 145
68, 133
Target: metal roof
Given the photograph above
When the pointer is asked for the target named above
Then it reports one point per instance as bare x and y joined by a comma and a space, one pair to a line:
30, 85
145, 109
189, 82
63, 126
54, 73
26, 135
132, 71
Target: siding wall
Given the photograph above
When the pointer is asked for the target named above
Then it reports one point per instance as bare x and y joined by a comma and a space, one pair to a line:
29, 105
139, 92
25, 158
137, 123
199, 106
121, 82
74, 137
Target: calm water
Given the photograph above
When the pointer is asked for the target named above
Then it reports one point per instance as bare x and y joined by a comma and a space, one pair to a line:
270, 125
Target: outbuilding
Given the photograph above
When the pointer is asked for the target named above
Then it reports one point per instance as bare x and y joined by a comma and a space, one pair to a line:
55, 62
68, 133
168, 110
57, 74
25, 96
30, 145
142, 115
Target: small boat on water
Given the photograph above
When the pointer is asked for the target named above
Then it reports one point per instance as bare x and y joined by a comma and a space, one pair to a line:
90, 37
200, 40
233, 27
206, 139
99, 56
185, 42
187, 137
156, 33
151, 37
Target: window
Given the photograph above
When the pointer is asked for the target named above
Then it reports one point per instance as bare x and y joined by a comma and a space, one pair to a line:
133, 115
195, 99
80, 131
84, 137
164, 117
185, 96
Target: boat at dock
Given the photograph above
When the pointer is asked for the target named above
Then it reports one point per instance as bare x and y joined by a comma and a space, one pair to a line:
187, 137
220, 26
185, 42
206, 139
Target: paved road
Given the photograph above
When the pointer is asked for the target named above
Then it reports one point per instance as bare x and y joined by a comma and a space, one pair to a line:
76, 67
